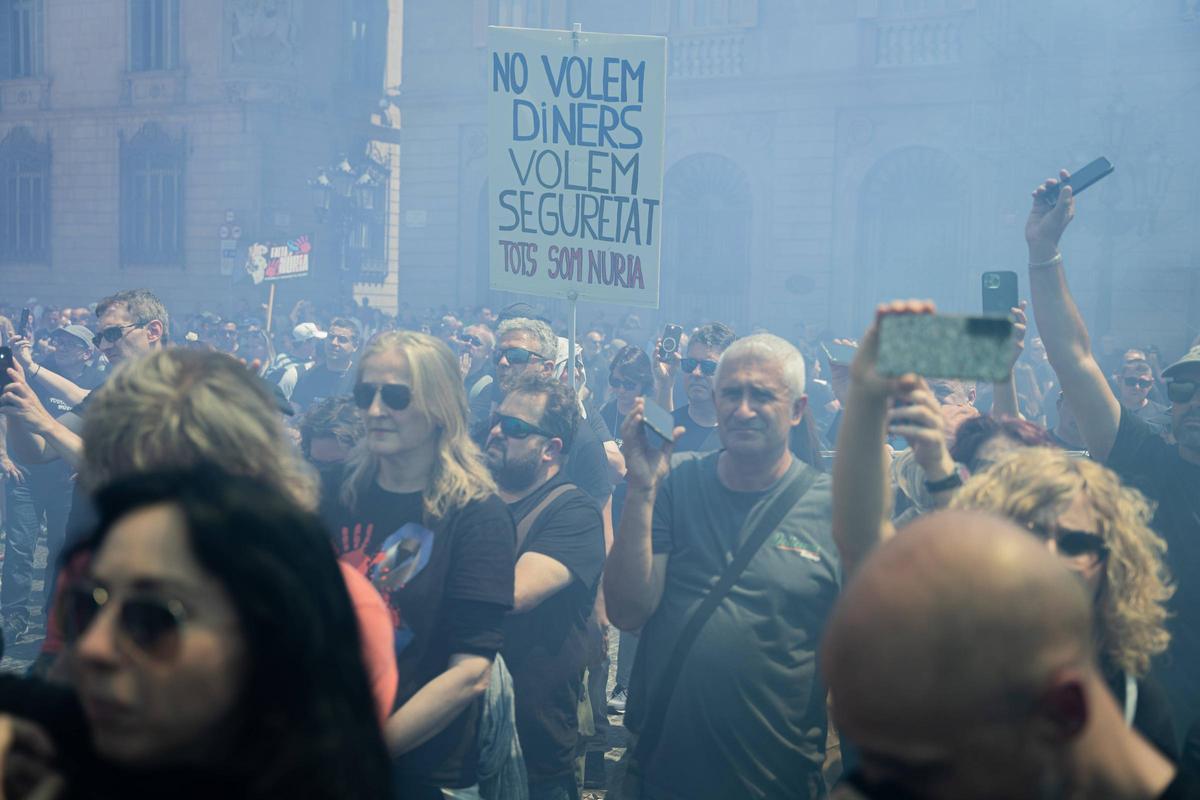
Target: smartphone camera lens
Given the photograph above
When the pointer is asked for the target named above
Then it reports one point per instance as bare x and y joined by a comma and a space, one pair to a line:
991, 280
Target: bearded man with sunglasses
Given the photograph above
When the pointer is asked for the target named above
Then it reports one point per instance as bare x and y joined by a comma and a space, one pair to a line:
560, 554
1169, 474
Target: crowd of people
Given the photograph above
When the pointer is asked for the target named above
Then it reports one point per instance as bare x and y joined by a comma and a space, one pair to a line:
354, 555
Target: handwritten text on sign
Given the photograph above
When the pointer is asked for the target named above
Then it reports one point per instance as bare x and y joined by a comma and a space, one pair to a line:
576, 151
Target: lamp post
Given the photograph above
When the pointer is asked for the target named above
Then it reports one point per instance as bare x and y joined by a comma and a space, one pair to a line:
347, 197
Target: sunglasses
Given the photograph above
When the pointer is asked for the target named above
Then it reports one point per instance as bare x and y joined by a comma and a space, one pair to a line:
1073, 544
514, 428
396, 396
1141, 383
467, 338
1181, 391
115, 333
618, 383
516, 356
707, 366
149, 623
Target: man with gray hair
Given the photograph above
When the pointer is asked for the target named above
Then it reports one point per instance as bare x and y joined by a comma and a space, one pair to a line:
527, 346
727, 559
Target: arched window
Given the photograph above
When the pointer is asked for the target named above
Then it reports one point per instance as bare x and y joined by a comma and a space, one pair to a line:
707, 217
24, 198
912, 231
152, 197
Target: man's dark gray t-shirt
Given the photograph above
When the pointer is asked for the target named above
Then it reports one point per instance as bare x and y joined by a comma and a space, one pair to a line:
748, 717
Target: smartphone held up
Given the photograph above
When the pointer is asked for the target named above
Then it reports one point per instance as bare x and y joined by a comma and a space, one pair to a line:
946, 346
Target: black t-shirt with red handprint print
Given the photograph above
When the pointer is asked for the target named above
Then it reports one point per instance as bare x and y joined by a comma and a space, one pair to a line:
448, 586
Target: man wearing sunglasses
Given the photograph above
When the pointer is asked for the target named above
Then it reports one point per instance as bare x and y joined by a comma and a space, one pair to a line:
475, 344
1169, 474
334, 375
130, 324
699, 415
560, 554
529, 347
1134, 385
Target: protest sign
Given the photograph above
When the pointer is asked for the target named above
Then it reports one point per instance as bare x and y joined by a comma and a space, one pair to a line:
275, 262
575, 152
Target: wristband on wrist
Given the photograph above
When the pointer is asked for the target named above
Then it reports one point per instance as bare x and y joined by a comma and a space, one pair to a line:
952, 481
1050, 262
37, 369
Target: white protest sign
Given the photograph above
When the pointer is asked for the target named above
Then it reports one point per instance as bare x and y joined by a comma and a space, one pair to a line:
575, 151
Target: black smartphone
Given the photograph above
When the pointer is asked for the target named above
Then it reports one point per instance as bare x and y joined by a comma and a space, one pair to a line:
1000, 294
839, 354
670, 342
659, 424
1081, 179
6, 362
25, 329
934, 346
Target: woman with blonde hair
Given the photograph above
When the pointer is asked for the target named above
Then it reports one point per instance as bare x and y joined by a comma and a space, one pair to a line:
1080, 509
179, 408
417, 513
182, 407
1101, 530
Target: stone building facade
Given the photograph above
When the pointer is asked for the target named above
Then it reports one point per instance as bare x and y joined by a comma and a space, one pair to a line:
135, 134
823, 155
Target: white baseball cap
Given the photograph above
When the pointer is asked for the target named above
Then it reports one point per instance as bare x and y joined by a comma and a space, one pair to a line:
307, 330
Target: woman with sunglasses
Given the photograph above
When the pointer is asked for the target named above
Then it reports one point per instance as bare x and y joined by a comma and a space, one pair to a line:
1101, 530
417, 513
1080, 509
212, 652
630, 376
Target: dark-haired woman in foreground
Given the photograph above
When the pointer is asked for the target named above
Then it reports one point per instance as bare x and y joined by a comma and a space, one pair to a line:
212, 651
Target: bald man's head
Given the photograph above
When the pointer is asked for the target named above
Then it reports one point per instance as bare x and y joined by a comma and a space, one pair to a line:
954, 628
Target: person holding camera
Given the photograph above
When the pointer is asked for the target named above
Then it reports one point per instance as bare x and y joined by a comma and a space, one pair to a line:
727, 560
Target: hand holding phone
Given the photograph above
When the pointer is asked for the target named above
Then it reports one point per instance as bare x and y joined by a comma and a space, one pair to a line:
1079, 180
668, 345
6, 363
971, 348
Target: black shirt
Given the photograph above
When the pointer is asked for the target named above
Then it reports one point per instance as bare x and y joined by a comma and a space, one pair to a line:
545, 648
696, 438
321, 382
431, 577
1143, 460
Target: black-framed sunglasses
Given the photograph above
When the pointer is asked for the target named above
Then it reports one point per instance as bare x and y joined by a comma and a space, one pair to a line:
1073, 544
1141, 383
396, 396
151, 624
515, 428
1181, 391
708, 367
471, 339
115, 333
516, 356
621, 383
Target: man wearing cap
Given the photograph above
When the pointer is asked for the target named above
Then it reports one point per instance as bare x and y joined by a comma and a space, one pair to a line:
334, 376
288, 367
60, 381
1168, 474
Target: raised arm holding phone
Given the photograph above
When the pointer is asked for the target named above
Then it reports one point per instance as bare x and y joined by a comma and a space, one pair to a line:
1169, 474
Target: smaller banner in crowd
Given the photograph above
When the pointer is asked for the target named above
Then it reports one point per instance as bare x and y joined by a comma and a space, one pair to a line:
276, 262
575, 150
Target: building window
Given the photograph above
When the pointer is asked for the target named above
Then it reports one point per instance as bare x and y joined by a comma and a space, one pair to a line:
153, 35
21, 38
520, 13
24, 199
698, 16
152, 198
368, 43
